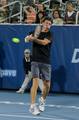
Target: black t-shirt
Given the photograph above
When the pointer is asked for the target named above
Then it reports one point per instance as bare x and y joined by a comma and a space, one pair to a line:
27, 65
41, 53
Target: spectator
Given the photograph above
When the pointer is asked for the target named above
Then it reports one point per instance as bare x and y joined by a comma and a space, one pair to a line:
3, 11
57, 20
4, 2
41, 13
77, 5
54, 4
40, 17
29, 15
70, 15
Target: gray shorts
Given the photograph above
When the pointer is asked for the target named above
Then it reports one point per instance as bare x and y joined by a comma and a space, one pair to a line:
41, 70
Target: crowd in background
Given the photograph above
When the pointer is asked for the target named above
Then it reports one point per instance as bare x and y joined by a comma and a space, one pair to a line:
34, 11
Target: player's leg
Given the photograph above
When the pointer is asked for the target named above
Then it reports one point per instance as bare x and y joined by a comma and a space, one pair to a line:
46, 88
34, 90
35, 73
46, 71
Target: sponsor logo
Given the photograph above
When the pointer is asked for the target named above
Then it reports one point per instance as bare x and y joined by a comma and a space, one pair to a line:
75, 57
7, 73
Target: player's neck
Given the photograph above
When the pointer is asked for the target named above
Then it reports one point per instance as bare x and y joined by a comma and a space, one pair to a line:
45, 30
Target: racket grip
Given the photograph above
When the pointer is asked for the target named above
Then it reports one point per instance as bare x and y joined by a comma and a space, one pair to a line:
26, 39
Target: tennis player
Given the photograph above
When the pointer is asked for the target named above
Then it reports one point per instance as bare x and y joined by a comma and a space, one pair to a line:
41, 65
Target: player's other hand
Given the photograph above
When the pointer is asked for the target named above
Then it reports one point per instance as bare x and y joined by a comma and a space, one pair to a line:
27, 38
31, 38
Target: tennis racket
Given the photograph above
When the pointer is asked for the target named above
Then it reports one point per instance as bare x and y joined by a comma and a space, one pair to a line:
37, 31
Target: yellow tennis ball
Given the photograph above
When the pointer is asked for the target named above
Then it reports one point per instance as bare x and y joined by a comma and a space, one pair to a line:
15, 40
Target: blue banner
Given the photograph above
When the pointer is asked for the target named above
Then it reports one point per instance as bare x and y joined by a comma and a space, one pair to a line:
64, 57
11, 55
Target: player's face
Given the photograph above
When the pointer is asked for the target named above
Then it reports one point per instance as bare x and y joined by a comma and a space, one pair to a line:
47, 24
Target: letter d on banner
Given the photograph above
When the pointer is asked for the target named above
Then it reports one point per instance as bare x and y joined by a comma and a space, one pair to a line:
75, 59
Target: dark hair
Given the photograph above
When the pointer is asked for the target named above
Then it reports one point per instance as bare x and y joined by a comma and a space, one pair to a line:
58, 13
47, 18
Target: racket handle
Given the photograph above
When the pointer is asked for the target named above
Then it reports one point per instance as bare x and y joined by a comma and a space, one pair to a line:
26, 39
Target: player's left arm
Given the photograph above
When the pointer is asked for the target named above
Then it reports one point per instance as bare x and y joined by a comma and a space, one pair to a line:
44, 41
